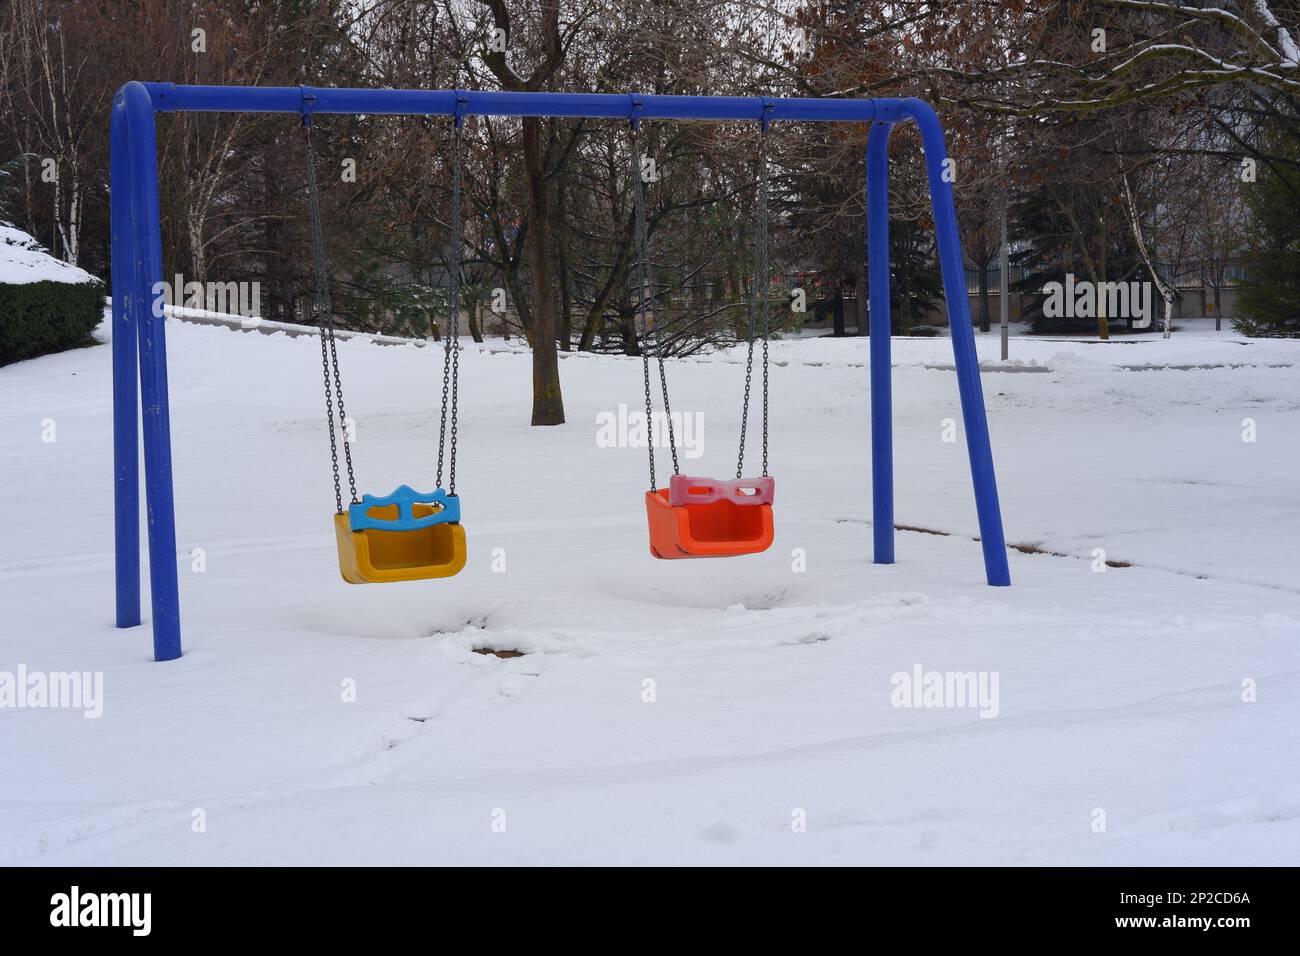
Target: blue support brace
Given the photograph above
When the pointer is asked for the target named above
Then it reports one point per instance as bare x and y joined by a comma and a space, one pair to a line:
144, 304
978, 447
126, 413
137, 267
879, 318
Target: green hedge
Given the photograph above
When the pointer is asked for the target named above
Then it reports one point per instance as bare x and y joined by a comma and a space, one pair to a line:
43, 317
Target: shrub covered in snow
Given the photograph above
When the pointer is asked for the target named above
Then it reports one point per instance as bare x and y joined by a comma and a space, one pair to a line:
45, 305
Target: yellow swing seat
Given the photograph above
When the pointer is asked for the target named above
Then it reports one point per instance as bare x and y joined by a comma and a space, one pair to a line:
408, 535
373, 554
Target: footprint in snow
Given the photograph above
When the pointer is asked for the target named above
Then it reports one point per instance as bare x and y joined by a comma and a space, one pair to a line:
723, 831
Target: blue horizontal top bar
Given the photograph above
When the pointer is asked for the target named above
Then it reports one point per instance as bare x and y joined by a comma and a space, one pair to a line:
170, 97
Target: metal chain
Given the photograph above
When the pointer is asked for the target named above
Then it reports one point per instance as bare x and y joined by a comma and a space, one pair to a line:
324, 310
766, 300
451, 354
652, 331
758, 303
454, 338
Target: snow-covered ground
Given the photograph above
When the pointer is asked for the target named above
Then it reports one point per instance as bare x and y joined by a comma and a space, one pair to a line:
737, 711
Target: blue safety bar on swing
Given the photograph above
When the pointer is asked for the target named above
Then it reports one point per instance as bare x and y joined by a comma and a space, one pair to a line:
137, 266
404, 499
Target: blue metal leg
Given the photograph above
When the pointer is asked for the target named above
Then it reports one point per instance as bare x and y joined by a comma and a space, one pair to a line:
882, 412
147, 258
126, 451
963, 344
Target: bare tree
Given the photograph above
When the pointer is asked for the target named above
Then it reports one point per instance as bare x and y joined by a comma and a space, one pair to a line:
547, 41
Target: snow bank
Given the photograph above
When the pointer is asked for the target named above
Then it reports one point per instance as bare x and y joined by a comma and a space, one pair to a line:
24, 260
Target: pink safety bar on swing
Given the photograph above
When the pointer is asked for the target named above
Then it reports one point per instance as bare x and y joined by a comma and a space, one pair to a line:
685, 490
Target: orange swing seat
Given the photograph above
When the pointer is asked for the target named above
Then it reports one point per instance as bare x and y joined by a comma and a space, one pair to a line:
707, 518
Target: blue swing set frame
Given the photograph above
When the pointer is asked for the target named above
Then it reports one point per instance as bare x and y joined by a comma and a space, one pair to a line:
139, 343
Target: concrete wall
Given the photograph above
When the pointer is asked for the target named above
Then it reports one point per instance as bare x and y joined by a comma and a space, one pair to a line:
937, 316
1192, 304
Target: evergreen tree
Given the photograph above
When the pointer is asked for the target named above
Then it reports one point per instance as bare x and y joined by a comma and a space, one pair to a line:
1270, 302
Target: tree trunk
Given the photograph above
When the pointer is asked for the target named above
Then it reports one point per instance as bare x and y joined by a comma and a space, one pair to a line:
631, 341
523, 311
566, 299
596, 313
837, 314
472, 318
904, 302
548, 404
589, 328
860, 301
1103, 323
74, 217
1098, 277
984, 295
198, 259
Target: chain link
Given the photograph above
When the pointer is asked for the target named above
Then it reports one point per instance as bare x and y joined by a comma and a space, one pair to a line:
651, 336
758, 303
324, 310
